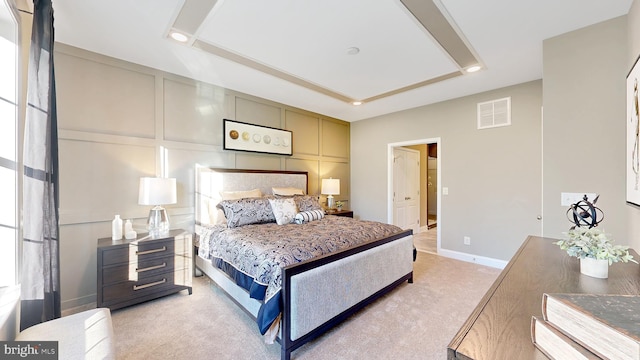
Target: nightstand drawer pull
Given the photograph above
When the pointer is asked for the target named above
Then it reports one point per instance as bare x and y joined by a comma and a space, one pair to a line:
136, 287
152, 267
164, 248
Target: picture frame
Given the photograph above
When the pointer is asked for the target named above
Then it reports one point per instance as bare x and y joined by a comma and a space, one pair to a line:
241, 136
633, 135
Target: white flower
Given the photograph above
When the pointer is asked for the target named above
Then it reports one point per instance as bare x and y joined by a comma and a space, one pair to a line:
593, 243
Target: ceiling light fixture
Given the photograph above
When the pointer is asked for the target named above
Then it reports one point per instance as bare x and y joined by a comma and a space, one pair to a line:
356, 103
353, 50
178, 36
474, 68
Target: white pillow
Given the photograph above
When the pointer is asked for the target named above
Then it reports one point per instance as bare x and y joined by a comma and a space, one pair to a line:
284, 210
216, 215
307, 216
286, 191
235, 195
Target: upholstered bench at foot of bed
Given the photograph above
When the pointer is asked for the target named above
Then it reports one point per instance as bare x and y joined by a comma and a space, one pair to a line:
368, 272
85, 335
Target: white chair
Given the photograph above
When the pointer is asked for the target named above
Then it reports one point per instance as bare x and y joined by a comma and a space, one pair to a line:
85, 335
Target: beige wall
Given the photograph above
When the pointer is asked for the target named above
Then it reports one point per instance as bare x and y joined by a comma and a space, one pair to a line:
493, 175
495, 178
584, 127
632, 214
113, 118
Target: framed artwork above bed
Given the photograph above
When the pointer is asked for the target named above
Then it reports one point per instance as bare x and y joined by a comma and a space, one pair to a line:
256, 138
633, 136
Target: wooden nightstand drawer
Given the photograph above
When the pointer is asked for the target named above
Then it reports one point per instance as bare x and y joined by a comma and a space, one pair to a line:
143, 287
143, 250
134, 271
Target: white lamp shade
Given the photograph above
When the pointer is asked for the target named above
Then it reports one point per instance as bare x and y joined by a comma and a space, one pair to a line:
330, 186
157, 191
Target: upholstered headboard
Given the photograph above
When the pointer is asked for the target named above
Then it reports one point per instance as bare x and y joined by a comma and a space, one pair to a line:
210, 182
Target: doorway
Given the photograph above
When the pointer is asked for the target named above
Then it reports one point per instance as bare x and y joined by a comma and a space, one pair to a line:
406, 188
432, 185
430, 211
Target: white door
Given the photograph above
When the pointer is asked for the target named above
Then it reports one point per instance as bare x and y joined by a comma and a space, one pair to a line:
406, 189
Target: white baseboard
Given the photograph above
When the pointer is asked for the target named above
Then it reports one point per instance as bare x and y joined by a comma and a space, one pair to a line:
78, 309
482, 260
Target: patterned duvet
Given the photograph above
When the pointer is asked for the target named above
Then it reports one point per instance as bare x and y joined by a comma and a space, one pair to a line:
254, 255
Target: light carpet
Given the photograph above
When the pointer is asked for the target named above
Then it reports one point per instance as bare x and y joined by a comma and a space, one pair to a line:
414, 321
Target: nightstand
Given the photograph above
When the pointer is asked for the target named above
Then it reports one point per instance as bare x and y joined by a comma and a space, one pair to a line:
142, 269
343, 212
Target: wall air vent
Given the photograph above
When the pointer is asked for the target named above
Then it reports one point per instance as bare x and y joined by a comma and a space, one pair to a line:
494, 113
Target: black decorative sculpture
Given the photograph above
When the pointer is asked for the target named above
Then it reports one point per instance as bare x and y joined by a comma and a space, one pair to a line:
585, 213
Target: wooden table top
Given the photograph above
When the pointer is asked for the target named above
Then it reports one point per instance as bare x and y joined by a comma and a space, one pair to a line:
500, 326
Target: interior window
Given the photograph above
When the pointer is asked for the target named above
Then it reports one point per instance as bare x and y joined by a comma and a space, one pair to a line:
8, 150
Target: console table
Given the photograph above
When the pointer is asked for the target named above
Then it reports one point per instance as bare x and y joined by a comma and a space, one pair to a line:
500, 326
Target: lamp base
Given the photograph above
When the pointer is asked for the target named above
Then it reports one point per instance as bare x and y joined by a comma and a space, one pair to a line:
158, 222
331, 204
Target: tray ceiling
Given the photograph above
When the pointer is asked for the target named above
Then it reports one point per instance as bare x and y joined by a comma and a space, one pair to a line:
322, 55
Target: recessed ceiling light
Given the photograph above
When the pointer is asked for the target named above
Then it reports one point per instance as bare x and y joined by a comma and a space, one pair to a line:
474, 68
353, 50
178, 36
356, 103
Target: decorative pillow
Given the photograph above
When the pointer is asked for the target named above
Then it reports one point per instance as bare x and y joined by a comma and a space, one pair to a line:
307, 203
286, 191
307, 216
234, 195
284, 210
216, 215
247, 211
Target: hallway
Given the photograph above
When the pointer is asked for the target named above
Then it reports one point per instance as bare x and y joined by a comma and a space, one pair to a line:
426, 241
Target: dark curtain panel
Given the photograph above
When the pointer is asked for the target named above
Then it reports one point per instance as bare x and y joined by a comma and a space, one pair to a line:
40, 275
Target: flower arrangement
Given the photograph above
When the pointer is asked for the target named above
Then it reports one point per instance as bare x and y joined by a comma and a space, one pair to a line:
594, 243
339, 204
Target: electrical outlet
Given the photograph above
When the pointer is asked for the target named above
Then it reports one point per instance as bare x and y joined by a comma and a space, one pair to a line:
467, 240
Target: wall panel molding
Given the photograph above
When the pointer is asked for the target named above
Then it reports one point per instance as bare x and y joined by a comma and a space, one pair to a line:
102, 158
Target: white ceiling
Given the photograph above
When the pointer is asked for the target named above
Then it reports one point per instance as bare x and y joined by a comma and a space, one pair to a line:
295, 52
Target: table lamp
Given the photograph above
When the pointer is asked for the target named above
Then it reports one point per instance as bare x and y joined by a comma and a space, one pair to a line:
157, 192
330, 187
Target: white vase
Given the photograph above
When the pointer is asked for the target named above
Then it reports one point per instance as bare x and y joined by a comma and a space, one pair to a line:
595, 267
116, 228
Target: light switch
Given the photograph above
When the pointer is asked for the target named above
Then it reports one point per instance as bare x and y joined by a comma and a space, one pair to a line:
445, 191
568, 199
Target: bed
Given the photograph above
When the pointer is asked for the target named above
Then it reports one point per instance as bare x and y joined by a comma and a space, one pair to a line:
338, 266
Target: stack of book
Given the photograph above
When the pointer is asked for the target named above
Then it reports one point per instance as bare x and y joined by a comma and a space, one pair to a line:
588, 326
